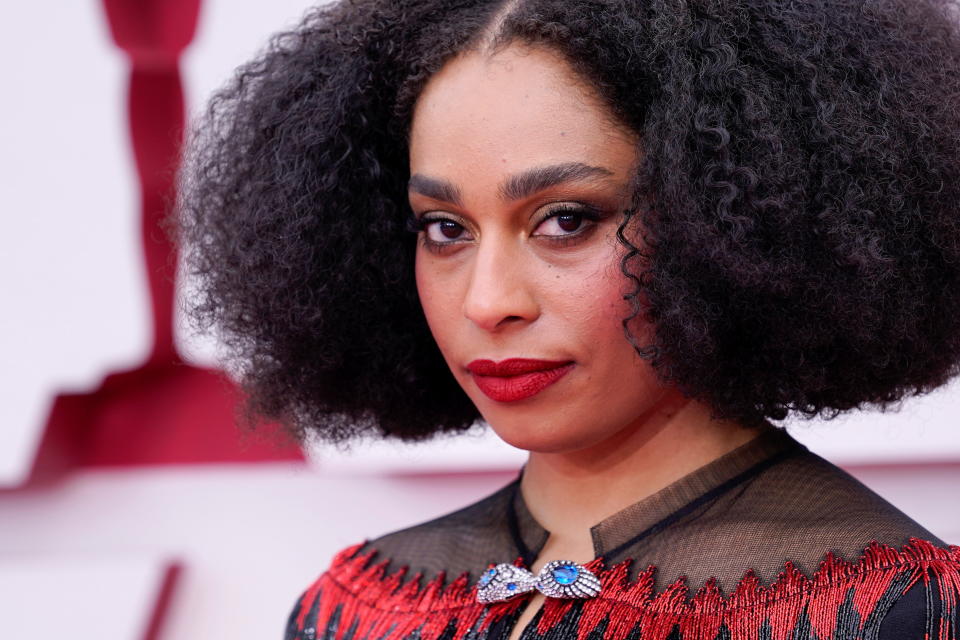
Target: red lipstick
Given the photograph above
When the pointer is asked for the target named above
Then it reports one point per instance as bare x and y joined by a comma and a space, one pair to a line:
517, 378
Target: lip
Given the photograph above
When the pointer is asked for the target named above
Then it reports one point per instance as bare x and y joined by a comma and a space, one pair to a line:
517, 378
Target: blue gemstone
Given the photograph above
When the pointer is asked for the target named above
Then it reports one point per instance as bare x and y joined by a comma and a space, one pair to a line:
487, 577
566, 574
511, 586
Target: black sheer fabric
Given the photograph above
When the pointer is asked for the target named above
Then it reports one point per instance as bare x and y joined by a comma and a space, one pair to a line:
769, 501
796, 509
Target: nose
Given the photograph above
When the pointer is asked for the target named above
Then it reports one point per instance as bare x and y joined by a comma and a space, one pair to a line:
500, 292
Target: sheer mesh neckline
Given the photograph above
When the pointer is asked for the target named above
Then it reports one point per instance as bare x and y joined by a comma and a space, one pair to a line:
617, 529
766, 502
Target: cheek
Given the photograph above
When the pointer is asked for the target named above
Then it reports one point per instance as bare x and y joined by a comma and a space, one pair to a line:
597, 304
438, 298
425, 290
616, 369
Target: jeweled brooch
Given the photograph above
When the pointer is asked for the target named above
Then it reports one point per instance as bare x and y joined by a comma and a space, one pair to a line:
557, 579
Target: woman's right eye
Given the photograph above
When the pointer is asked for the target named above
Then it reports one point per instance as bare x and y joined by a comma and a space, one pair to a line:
444, 231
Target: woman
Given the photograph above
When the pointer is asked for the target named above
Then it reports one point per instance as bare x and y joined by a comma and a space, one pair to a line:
643, 232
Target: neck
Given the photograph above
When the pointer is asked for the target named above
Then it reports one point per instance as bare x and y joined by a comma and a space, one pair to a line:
571, 491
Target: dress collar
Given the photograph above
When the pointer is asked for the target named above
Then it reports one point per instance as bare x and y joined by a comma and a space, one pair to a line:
767, 448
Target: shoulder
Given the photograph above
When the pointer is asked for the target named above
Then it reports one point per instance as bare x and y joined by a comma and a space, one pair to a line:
800, 511
857, 558
807, 506
462, 541
815, 488
359, 589
891, 593
403, 571
333, 587
908, 593
921, 609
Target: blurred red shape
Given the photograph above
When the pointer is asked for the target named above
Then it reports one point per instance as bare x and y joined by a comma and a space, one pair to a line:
165, 410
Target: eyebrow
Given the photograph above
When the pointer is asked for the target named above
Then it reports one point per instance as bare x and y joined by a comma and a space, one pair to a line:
515, 187
537, 179
435, 188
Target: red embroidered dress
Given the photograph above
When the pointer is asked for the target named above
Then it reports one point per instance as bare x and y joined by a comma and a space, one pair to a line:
768, 542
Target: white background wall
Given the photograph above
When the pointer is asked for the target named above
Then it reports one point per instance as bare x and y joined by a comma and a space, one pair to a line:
250, 537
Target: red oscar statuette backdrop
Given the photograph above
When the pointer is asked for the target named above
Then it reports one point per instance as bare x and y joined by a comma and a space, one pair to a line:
164, 410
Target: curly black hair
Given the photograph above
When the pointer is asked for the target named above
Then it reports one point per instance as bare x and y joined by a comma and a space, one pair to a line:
798, 201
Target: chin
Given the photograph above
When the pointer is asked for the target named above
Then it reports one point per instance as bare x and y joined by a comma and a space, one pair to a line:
542, 439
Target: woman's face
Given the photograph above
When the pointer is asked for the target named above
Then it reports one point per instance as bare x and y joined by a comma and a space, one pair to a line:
520, 177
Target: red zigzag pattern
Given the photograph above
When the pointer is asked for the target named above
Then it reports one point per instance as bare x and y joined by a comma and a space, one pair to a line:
381, 606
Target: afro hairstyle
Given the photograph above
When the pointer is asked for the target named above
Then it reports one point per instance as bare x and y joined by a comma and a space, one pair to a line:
798, 201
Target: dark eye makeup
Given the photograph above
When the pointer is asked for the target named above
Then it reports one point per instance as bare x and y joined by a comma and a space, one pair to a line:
581, 218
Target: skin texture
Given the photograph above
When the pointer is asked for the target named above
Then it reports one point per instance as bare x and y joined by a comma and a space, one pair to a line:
497, 285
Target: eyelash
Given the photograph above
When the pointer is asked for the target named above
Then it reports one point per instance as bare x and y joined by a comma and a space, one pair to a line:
416, 225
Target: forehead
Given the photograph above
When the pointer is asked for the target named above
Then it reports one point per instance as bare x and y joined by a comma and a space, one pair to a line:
519, 107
